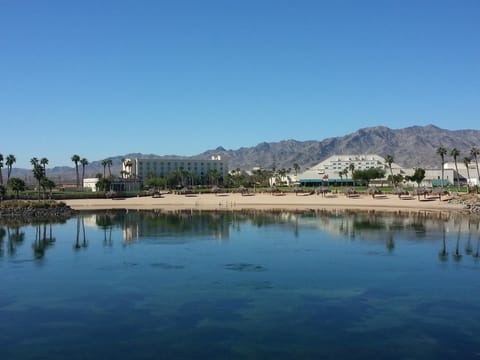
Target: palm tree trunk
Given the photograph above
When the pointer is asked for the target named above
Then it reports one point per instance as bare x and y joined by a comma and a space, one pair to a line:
78, 176
478, 171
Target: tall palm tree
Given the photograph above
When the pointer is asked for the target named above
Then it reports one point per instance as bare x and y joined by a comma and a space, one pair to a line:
109, 164
442, 152
475, 152
467, 161
75, 158
104, 164
389, 161
1, 166
351, 167
84, 163
38, 172
296, 167
455, 153
9, 162
44, 162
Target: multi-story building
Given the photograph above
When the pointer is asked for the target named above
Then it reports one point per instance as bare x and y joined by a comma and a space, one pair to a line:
330, 169
142, 168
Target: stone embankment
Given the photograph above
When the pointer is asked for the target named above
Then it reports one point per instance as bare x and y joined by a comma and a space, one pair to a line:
470, 202
31, 210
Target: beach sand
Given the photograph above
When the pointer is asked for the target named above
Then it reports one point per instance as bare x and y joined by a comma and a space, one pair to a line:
262, 201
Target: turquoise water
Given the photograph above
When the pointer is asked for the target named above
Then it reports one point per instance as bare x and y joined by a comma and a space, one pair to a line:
252, 285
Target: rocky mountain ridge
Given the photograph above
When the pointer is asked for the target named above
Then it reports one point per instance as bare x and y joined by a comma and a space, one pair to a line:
410, 147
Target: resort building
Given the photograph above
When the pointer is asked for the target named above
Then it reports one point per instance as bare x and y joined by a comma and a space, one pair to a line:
142, 168
469, 175
338, 169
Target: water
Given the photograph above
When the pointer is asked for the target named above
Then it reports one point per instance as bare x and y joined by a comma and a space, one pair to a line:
251, 285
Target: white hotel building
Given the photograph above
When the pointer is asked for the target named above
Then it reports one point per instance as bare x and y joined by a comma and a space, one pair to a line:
329, 169
141, 168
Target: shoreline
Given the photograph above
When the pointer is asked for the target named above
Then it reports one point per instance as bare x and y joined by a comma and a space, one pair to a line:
261, 201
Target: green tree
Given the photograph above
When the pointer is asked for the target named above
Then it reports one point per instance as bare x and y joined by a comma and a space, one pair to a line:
475, 152
38, 172
442, 152
213, 176
109, 166
418, 176
389, 161
76, 159
3, 191
351, 167
365, 176
396, 179
9, 162
16, 185
156, 182
47, 184
44, 163
104, 164
103, 184
466, 162
455, 153
296, 168
84, 163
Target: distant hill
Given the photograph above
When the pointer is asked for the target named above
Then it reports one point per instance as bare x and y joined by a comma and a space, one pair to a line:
410, 147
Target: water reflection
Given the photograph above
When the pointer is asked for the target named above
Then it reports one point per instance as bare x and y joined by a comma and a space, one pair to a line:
261, 285
187, 226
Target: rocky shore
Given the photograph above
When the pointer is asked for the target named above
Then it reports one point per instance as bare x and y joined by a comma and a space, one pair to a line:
470, 202
34, 210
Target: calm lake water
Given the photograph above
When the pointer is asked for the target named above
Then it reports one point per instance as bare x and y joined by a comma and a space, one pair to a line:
252, 285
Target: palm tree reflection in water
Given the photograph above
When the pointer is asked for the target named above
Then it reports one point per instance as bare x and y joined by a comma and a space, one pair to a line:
42, 241
80, 228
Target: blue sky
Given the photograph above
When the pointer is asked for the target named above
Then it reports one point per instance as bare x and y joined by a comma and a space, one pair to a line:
110, 77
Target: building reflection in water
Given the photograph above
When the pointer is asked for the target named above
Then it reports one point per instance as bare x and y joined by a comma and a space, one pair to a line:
458, 234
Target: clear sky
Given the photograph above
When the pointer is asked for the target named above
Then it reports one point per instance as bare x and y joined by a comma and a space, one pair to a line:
110, 77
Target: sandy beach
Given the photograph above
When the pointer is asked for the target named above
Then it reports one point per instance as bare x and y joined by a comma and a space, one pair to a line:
261, 201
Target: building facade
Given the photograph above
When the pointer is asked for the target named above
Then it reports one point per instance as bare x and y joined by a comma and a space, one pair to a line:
329, 170
143, 168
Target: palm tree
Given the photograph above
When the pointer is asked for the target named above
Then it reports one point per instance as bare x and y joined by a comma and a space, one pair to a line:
442, 152
75, 158
104, 164
84, 163
475, 152
455, 153
109, 164
10, 161
16, 185
443, 254
44, 162
1, 166
351, 167
296, 167
38, 172
389, 161
467, 161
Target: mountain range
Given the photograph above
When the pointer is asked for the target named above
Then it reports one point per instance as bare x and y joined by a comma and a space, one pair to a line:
410, 147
